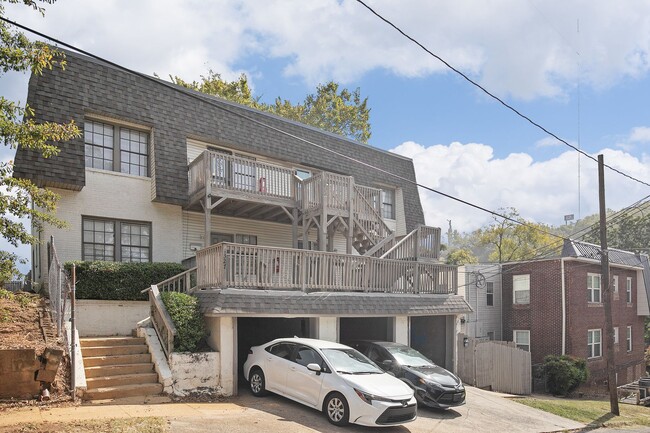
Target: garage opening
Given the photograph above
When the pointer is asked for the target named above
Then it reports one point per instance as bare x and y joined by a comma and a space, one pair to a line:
429, 337
365, 328
253, 331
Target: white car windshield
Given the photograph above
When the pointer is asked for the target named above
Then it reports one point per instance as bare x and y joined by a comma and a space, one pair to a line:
404, 355
350, 361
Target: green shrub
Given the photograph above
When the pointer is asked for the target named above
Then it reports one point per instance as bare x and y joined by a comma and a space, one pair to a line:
119, 281
564, 373
184, 311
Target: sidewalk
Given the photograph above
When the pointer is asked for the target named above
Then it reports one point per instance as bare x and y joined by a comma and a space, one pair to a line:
123, 408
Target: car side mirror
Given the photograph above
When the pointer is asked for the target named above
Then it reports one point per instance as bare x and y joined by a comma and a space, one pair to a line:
314, 367
387, 364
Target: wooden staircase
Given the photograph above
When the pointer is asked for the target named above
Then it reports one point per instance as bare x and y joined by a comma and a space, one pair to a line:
118, 367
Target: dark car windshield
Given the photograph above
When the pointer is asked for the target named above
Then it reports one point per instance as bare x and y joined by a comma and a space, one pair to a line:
350, 361
404, 355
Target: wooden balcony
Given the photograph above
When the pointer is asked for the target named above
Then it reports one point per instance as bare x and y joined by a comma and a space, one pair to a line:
228, 265
221, 175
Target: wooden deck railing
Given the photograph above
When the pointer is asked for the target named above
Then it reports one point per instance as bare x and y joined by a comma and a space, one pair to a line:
161, 320
228, 265
184, 282
245, 175
421, 243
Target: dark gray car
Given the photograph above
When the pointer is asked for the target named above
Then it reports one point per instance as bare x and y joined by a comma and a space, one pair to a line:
433, 385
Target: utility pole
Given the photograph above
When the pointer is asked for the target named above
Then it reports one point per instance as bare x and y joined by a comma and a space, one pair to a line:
607, 296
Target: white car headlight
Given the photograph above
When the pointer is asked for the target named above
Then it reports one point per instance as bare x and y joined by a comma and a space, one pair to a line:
368, 398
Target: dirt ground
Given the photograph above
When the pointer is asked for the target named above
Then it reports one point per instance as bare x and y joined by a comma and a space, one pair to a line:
25, 322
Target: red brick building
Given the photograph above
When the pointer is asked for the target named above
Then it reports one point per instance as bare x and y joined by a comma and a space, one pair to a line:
554, 306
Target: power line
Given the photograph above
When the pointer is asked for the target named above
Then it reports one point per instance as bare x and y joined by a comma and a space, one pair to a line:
493, 96
207, 99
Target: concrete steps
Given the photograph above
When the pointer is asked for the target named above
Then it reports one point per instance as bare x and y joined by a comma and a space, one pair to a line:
118, 367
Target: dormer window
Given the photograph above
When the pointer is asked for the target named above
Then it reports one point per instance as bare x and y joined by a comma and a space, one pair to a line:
116, 148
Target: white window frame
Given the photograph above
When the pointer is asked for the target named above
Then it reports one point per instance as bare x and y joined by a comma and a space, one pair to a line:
489, 294
628, 290
591, 347
628, 339
592, 290
387, 198
521, 345
615, 334
518, 280
615, 283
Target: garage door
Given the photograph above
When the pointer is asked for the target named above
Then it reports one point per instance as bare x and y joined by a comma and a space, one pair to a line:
365, 328
253, 331
429, 337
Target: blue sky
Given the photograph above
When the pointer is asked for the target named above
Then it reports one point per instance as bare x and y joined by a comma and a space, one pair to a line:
579, 68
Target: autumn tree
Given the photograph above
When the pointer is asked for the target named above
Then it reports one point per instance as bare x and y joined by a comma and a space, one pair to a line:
331, 108
20, 198
460, 256
513, 238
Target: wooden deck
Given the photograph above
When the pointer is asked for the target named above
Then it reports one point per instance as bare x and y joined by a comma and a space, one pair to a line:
228, 265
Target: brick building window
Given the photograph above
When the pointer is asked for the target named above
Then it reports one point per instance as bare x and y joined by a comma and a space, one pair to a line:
115, 240
594, 343
615, 283
521, 289
628, 290
629, 338
116, 148
522, 339
593, 288
489, 294
615, 334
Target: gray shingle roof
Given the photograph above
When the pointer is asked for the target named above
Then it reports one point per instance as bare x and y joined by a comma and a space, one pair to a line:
88, 87
242, 302
573, 248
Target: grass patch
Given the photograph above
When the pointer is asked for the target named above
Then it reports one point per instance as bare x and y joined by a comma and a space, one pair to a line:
118, 425
592, 412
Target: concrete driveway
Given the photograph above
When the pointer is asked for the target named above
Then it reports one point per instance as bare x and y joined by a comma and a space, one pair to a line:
484, 412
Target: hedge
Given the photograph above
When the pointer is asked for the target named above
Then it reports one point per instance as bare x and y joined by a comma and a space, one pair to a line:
184, 311
119, 281
564, 373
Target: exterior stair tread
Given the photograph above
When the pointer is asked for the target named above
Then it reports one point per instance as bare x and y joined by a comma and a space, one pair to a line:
121, 376
123, 391
113, 341
106, 367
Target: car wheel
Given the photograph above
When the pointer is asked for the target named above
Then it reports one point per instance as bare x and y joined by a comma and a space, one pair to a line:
257, 383
337, 410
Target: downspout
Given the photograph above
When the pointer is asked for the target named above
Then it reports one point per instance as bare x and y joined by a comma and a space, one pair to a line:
563, 306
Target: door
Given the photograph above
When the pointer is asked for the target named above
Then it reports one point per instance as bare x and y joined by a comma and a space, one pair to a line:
277, 365
303, 384
244, 176
218, 164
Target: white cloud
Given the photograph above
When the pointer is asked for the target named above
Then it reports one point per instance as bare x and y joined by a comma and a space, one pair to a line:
549, 142
542, 191
640, 134
524, 49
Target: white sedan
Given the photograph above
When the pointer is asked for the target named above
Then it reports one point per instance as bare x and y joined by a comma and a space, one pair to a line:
331, 377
